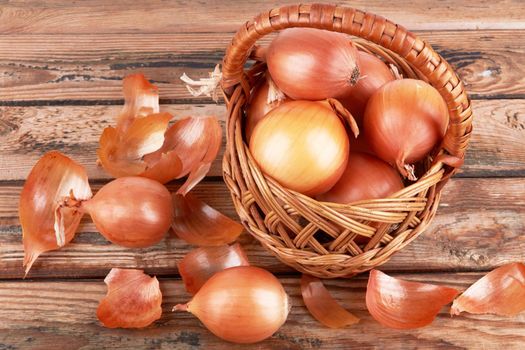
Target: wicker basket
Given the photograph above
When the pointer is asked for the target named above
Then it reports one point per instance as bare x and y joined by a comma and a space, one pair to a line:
324, 239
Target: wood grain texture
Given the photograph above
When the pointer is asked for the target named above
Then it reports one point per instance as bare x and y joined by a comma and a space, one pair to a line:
88, 68
61, 66
479, 225
63, 315
157, 16
497, 146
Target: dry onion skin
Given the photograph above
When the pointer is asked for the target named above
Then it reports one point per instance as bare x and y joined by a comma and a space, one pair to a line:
141, 98
365, 177
243, 304
197, 223
323, 307
404, 120
121, 154
133, 300
54, 179
374, 74
306, 159
261, 102
196, 142
200, 264
313, 64
131, 211
400, 304
500, 292
142, 144
139, 129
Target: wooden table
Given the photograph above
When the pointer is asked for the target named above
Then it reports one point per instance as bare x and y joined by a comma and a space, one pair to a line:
61, 69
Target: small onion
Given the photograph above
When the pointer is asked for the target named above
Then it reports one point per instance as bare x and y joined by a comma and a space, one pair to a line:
261, 102
374, 74
313, 64
303, 145
131, 211
365, 177
243, 304
403, 121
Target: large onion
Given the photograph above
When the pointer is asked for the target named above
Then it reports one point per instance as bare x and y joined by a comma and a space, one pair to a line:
374, 74
243, 304
312, 64
365, 177
404, 120
303, 145
131, 211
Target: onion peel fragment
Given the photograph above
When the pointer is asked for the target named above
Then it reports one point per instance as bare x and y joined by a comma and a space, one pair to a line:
323, 307
196, 140
142, 144
500, 292
141, 99
133, 299
46, 224
200, 264
197, 223
401, 304
121, 154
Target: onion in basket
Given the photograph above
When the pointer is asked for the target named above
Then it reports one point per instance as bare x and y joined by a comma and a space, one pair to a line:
374, 74
404, 120
365, 177
313, 64
264, 97
303, 145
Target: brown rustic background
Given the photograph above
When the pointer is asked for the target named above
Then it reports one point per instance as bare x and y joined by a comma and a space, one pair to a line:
61, 68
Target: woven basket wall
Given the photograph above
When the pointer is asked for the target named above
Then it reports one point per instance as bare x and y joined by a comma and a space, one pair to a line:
333, 240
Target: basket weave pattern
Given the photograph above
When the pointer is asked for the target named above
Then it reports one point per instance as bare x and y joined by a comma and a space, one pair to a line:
324, 239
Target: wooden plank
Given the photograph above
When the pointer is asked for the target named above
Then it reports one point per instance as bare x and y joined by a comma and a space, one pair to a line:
73, 68
183, 16
497, 146
51, 314
479, 225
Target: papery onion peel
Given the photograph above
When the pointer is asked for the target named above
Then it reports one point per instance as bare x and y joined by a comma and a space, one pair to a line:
53, 180
401, 304
500, 292
197, 223
142, 144
323, 306
196, 141
201, 263
133, 300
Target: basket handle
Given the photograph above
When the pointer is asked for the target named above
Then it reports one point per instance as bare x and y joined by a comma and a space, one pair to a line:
367, 26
